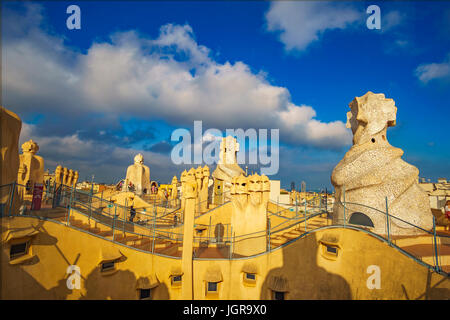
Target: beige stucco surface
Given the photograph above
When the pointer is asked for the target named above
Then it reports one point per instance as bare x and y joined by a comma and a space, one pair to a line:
372, 172
307, 272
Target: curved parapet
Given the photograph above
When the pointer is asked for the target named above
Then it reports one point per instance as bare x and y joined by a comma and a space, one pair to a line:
360, 266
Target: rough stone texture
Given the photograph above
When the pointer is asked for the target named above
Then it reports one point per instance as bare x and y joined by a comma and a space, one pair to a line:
31, 165
227, 167
265, 188
75, 179
10, 132
187, 177
202, 178
174, 192
161, 194
65, 176
183, 191
68, 177
190, 193
31, 169
373, 169
139, 175
249, 197
58, 175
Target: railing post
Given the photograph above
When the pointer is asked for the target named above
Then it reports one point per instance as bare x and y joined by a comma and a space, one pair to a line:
3, 208
54, 195
305, 212
125, 212
209, 230
11, 199
90, 201
61, 202
114, 220
68, 214
167, 205
345, 219
387, 222
49, 187
435, 246
231, 243
268, 228
44, 192
154, 233
101, 202
320, 202
70, 199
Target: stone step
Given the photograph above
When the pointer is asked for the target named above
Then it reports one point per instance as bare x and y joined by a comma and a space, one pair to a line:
277, 241
445, 268
127, 238
146, 244
162, 245
293, 231
409, 241
76, 223
85, 226
62, 219
171, 250
443, 260
143, 246
50, 214
95, 230
426, 252
313, 225
105, 233
144, 241
292, 234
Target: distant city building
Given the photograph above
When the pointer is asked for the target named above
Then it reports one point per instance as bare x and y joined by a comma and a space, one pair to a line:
438, 192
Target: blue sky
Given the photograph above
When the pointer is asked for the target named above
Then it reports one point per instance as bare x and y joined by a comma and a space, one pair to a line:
136, 71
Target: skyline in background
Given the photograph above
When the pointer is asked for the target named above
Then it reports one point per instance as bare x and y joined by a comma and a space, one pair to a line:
93, 98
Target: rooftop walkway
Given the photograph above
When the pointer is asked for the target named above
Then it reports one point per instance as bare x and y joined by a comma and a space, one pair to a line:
160, 234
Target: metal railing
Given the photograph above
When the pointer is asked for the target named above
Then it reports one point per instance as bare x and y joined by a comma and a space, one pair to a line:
111, 221
427, 247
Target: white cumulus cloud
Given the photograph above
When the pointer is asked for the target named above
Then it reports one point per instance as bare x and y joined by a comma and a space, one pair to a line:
300, 23
431, 71
171, 77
